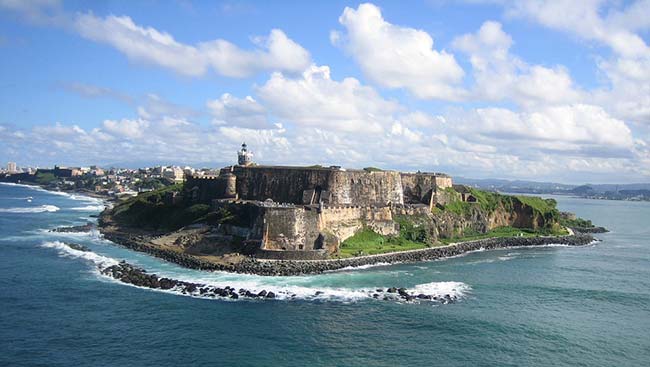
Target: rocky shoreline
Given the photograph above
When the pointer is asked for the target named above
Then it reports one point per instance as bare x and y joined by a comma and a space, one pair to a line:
127, 273
304, 267
589, 229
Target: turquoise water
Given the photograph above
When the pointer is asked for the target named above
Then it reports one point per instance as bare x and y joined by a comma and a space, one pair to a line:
551, 306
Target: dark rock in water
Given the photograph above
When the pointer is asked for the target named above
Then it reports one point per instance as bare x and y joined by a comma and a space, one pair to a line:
75, 229
166, 283
589, 229
130, 274
78, 247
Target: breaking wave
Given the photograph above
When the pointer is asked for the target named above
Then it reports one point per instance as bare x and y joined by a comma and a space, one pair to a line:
64, 250
36, 209
442, 288
89, 208
77, 197
281, 286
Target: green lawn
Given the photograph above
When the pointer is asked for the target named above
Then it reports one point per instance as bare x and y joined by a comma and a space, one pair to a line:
367, 242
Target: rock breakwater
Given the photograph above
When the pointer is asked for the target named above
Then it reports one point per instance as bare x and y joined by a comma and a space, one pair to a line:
127, 273
303, 267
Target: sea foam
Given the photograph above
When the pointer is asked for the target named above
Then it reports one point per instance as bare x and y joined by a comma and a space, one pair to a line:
36, 209
89, 208
281, 286
64, 250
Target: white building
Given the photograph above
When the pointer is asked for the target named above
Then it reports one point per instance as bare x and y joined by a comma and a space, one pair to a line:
11, 167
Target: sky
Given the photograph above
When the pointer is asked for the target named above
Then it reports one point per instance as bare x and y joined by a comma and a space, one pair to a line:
545, 90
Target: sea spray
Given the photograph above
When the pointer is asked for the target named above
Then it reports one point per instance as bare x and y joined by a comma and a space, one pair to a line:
253, 287
89, 208
36, 209
66, 250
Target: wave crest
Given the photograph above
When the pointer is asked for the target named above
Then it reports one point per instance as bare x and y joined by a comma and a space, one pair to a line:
89, 208
36, 209
66, 251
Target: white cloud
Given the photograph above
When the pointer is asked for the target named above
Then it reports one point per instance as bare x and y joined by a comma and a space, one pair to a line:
567, 126
398, 57
583, 18
315, 100
276, 52
126, 128
500, 75
148, 45
626, 91
142, 44
628, 94
240, 112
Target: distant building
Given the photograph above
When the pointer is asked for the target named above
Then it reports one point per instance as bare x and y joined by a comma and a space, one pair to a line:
174, 173
11, 167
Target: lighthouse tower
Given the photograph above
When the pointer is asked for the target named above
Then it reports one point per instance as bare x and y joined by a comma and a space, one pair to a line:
244, 157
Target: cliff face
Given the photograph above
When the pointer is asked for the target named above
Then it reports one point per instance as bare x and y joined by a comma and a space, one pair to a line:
509, 212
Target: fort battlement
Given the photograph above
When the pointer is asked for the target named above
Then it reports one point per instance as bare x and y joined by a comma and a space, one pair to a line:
318, 185
295, 208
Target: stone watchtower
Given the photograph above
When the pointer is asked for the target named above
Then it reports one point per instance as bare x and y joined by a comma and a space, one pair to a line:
244, 157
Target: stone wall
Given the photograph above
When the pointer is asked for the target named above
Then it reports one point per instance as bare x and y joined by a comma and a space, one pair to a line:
423, 187
366, 188
344, 221
293, 229
281, 184
307, 185
204, 189
301, 185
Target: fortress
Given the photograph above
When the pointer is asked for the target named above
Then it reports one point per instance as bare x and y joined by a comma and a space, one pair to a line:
309, 211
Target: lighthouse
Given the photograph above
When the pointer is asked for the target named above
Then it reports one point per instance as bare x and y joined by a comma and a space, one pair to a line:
244, 157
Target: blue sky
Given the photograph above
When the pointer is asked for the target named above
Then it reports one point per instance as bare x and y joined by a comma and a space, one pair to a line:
544, 90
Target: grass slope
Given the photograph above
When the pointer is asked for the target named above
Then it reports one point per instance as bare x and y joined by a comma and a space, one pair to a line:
149, 210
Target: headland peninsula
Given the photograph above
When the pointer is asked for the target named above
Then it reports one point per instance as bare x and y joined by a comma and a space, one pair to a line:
288, 220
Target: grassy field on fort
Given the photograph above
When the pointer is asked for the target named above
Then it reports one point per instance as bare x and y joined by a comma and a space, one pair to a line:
368, 242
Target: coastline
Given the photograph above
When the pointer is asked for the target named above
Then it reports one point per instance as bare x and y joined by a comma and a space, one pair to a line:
306, 267
265, 267
82, 192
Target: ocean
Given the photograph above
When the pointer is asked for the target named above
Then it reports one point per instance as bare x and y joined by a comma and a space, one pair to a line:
546, 306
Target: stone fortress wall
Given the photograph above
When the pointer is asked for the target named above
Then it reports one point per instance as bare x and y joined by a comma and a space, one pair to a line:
314, 208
